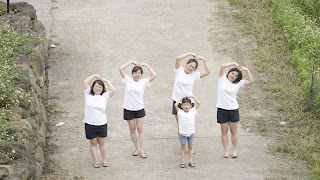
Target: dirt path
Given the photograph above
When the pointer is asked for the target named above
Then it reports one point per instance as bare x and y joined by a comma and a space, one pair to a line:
97, 37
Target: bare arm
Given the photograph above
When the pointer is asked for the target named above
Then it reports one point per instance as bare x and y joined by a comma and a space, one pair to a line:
206, 66
196, 100
182, 56
223, 66
112, 90
250, 79
121, 68
87, 81
153, 74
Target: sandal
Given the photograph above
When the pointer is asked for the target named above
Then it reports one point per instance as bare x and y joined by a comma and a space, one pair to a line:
135, 153
182, 165
96, 165
143, 155
105, 164
234, 155
226, 156
192, 164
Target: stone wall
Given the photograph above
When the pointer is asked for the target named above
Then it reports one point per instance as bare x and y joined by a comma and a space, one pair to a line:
24, 158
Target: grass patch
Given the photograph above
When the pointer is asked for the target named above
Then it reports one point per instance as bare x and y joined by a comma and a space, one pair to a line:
286, 84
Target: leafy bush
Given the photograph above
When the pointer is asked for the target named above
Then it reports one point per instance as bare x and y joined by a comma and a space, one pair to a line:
10, 97
303, 36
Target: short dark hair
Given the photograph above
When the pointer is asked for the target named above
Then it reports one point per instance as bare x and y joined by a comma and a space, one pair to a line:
186, 100
239, 75
137, 68
193, 60
101, 84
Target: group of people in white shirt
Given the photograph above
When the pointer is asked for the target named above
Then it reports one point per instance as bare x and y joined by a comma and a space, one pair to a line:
184, 106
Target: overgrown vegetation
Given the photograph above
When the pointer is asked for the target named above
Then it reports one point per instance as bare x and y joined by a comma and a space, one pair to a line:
10, 97
288, 40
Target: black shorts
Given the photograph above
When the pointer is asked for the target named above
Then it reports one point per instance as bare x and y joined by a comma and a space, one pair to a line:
224, 116
93, 131
174, 111
129, 115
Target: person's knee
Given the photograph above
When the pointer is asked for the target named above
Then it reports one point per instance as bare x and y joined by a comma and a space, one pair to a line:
183, 147
140, 130
190, 146
93, 143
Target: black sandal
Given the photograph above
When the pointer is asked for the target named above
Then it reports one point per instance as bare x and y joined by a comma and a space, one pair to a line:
192, 164
182, 165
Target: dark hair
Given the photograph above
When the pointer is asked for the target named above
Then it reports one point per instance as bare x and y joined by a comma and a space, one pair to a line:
186, 100
101, 84
193, 60
239, 75
137, 68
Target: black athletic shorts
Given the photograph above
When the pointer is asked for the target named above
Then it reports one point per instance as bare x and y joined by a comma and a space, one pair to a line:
174, 111
129, 115
224, 116
93, 131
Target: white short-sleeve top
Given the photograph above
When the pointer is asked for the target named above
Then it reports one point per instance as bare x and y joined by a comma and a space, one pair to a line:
95, 108
227, 93
183, 83
133, 97
187, 121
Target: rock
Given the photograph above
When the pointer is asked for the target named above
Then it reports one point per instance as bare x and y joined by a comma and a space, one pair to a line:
22, 23
39, 155
22, 170
4, 159
3, 172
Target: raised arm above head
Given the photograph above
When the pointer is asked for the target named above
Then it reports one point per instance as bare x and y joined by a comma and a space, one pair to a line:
182, 56
121, 68
250, 79
112, 90
223, 66
206, 66
196, 100
87, 81
153, 74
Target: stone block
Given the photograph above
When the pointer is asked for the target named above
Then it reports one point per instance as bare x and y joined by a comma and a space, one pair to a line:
3, 172
39, 155
4, 159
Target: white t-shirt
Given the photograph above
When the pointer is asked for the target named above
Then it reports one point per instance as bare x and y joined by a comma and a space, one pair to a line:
183, 83
95, 108
187, 121
133, 97
227, 93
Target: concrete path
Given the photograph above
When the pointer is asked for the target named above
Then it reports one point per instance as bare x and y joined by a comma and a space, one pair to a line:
98, 36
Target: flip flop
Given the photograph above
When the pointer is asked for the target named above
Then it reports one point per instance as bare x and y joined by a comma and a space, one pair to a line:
96, 165
182, 165
105, 164
192, 164
234, 156
226, 156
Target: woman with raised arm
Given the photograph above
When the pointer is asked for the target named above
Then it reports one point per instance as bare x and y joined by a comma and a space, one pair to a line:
185, 78
227, 104
133, 106
95, 119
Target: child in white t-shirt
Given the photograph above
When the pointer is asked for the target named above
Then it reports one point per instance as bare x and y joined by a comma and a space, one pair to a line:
186, 117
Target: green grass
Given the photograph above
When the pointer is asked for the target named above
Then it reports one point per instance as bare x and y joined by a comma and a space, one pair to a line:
282, 59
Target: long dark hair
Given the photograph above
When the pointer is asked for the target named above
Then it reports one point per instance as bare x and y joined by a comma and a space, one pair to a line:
239, 75
137, 68
193, 60
101, 83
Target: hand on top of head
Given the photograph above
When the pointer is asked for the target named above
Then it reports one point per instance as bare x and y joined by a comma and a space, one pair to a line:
242, 68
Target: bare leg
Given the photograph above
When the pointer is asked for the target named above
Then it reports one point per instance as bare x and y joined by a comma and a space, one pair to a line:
94, 150
132, 127
139, 123
234, 137
224, 138
190, 150
103, 149
182, 153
